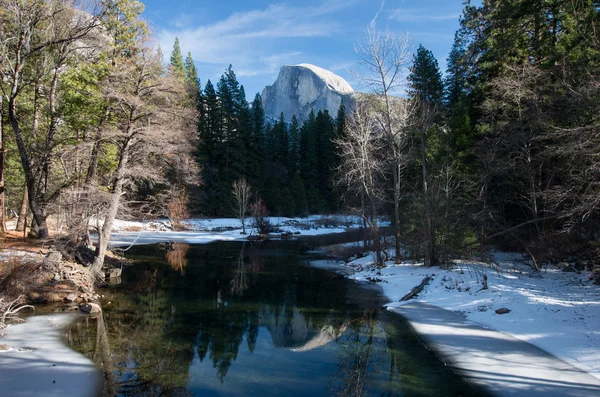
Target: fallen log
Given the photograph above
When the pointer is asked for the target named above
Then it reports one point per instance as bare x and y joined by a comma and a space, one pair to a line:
413, 292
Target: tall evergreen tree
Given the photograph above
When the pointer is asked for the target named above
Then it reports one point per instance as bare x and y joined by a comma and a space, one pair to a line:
191, 73
425, 79
308, 151
325, 131
294, 147
176, 61
256, 152
455, 83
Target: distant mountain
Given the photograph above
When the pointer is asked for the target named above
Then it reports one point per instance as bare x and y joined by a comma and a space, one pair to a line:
302, 88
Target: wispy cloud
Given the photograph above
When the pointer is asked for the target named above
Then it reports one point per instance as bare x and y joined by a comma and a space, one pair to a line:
374, 20
242, 37
422, 15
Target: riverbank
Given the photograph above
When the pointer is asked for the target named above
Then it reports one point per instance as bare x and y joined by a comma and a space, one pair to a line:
557, 311
38, 361
205, 231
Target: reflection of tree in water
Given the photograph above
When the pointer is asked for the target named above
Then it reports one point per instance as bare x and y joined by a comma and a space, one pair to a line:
160, 320
360, 357
177, 257
245, 273
133, 343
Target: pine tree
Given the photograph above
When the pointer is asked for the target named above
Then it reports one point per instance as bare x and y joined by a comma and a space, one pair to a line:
209, 150
326, 159
281, 142
176, 61
294, 147
299, 195
455, 83
256, 152
191, 73
425, 79
308, 151
288, 205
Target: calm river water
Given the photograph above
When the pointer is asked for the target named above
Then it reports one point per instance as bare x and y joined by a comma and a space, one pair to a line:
235, 319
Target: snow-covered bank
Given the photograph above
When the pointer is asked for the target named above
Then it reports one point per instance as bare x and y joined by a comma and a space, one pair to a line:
204, 231
38, 363
558, 312
498, 362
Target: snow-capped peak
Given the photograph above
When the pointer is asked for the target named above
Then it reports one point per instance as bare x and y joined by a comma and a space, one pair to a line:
332, 80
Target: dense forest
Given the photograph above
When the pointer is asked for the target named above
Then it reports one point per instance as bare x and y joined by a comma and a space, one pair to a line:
290, 166
501, 148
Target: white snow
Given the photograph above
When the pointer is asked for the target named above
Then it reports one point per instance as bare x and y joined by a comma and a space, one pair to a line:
556, 311
500, 363
38, 363
204, 231
332, 80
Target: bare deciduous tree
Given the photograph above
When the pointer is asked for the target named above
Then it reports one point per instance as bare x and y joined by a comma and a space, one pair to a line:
386, 58
151, 122
362, 167
242, 192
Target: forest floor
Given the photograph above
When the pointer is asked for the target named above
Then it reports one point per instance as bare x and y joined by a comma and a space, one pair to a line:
555, 310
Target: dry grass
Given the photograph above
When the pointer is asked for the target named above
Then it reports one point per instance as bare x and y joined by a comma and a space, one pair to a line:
20, 277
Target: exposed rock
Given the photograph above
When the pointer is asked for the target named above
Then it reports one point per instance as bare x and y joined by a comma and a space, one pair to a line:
4, 348
52, 260
302, 88
90, 308
562, 265
71, 297
569, 269
502, 310
114, 273
56, 277
580, 266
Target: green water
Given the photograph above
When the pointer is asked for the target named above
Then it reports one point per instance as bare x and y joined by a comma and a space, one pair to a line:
228, 319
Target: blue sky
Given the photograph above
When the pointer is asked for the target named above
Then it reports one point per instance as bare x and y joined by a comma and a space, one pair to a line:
258, 37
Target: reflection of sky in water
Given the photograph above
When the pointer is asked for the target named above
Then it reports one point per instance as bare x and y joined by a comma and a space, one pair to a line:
268, 371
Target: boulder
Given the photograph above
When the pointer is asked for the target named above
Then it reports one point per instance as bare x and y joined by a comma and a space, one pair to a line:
4, 347
569, 269
71, 297
303, 88
90, 308
502, 310
114, 273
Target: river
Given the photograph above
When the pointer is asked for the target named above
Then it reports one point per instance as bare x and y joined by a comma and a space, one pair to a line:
253, 319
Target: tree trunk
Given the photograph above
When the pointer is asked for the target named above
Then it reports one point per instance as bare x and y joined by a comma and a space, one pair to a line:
47, 164
21, 221
91, 171
398, 258
430, 232
115, 199
36, 208
2, 204
106, 363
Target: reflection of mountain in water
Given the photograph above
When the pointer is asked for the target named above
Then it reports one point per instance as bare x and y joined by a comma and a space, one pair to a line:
297, 332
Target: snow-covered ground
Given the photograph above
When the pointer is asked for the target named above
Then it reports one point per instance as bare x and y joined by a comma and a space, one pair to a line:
39, 363
556, 311
203, 231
